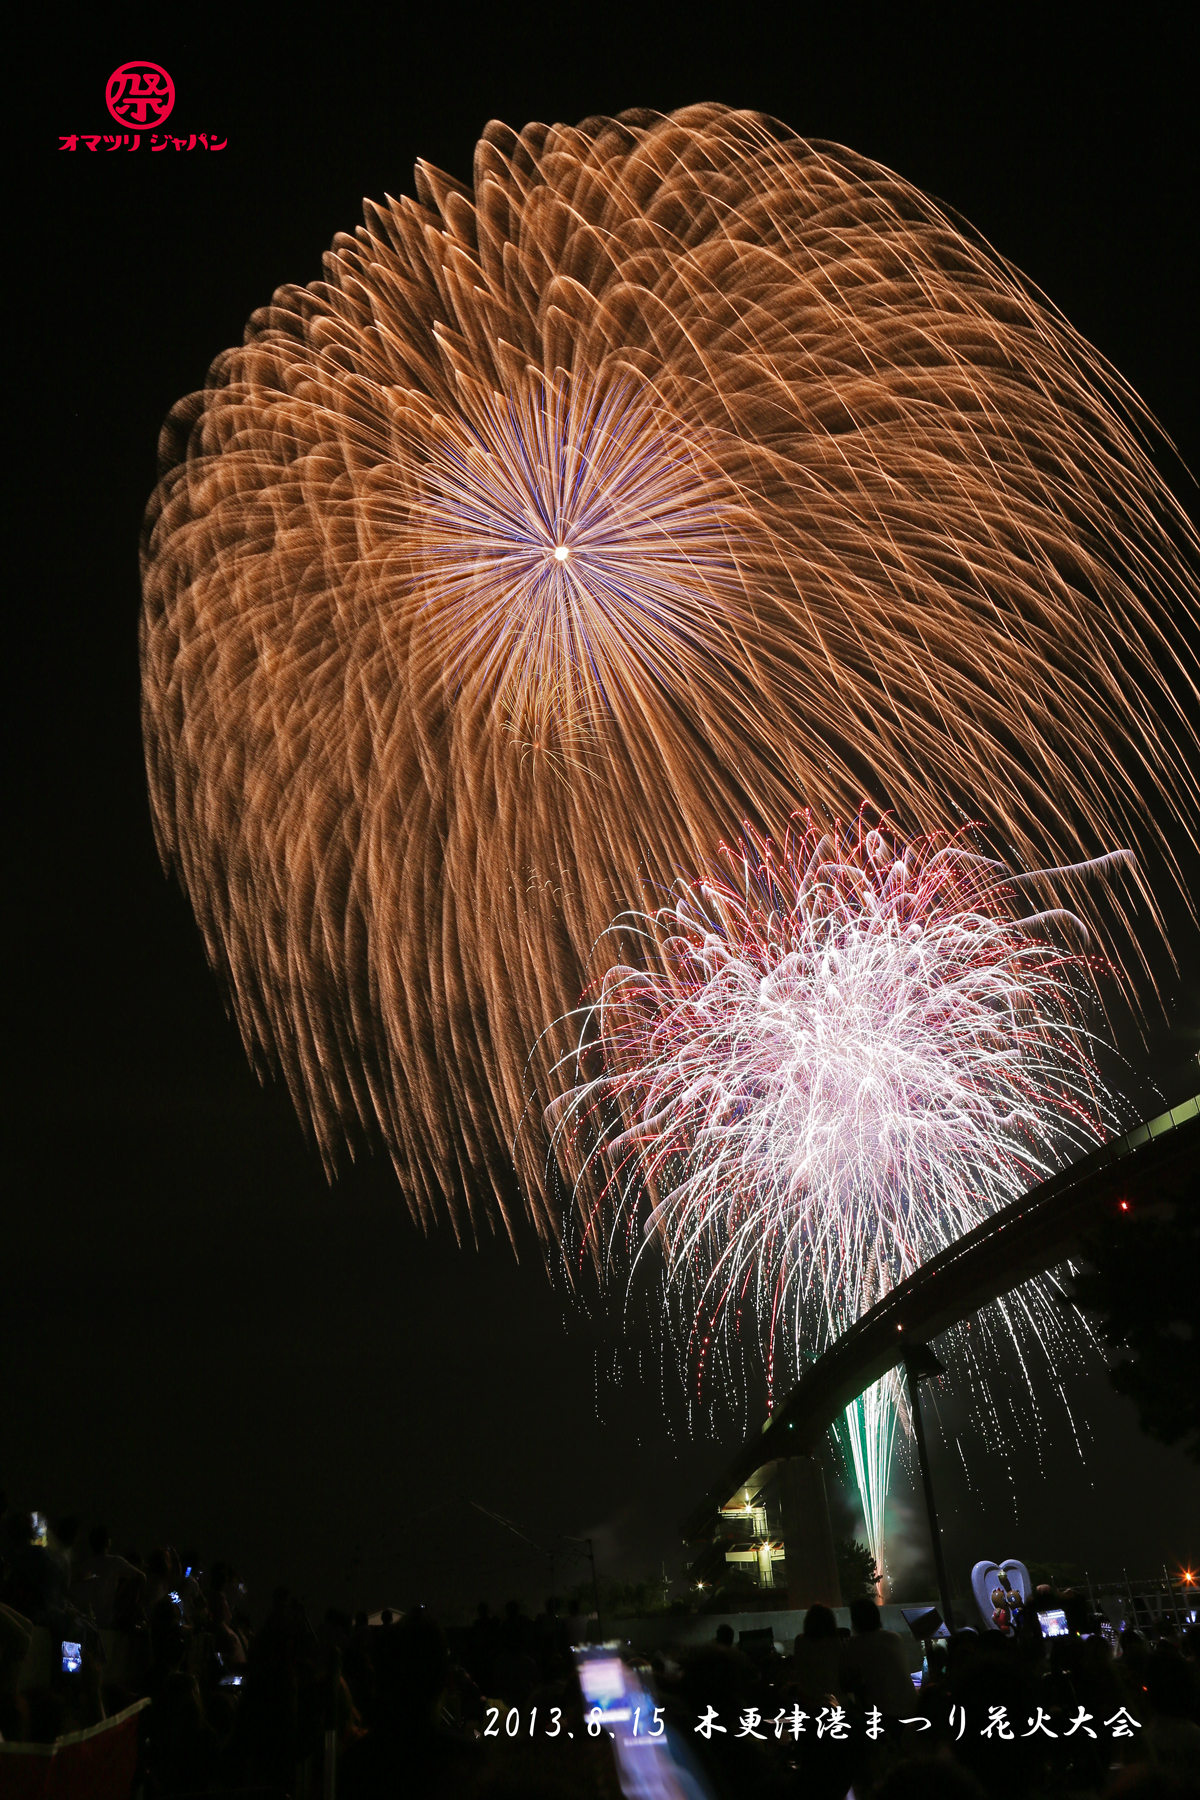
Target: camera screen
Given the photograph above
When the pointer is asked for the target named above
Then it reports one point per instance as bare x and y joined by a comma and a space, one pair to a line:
603, 1682
72, 1658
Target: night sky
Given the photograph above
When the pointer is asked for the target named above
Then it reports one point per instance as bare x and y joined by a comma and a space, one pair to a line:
204, 1341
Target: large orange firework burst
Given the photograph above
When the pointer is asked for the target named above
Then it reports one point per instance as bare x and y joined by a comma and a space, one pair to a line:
680, 473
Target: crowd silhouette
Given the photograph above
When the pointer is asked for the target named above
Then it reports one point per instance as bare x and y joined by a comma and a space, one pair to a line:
402, 1707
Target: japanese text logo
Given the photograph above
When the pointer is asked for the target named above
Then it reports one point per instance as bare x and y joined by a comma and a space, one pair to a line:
140, 95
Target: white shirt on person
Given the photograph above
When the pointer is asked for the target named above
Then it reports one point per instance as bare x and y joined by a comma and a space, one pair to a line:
95, 1586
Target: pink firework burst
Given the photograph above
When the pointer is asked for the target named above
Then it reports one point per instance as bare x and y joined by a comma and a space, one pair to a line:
836, 1058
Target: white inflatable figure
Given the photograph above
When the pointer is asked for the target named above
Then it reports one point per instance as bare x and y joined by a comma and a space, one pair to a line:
986, 1576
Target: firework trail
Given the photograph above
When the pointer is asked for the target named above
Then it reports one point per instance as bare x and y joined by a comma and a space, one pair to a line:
678, 472
828, 1064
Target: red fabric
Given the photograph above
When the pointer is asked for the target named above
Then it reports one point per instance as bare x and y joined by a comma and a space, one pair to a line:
89, 1765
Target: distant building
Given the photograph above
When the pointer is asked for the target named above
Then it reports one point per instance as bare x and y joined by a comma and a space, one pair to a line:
769, 1541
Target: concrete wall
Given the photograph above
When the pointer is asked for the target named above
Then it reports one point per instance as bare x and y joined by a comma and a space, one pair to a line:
663, 1631
809, 1554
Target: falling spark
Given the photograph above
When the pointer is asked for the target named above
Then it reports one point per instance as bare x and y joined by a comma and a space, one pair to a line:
678, 471
830, 1061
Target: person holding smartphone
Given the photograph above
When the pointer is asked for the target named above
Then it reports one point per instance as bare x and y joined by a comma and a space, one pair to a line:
100, 1577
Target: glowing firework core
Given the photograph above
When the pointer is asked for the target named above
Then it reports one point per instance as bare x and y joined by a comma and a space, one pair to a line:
649, 521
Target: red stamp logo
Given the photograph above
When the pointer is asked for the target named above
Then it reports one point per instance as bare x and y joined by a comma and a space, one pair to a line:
140, 95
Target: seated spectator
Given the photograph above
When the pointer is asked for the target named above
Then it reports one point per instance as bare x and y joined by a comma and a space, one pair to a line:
81, 1691
482, 1643
163, 1577
15, 1633
406, 1750
181, 1747
333, 1633
357, 1665
266, 1738
127, 1609
34, 1584
60, 1545
873, 1664
46, 1716
930, 1778
1077, 1614
1172, 1735
986, 1672
514, 1671
195, 1609
720, 1676
169, 1643
106, 1585
229, 1644
816, 1658
553, 1641
1142, 1781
